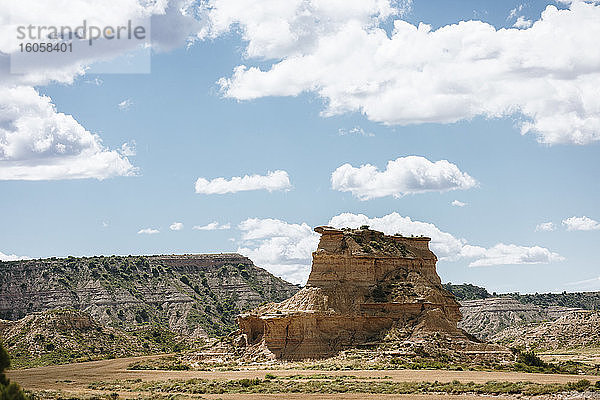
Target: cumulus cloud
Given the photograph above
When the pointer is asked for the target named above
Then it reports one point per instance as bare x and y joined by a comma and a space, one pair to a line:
458, 203
581, 224
405, 175
443, 244
522, 23
36, 141
545, 227
275, 29
176, 15
508, 254
213, 226
417, 74
148, 231
448, 247
12, 257
176, 226
276, 180
39, 143
284, 249
125, 104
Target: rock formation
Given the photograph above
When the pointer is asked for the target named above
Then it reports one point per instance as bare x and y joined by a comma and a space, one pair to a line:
487, 317
63, 336
364, 287
575, 329
192, 295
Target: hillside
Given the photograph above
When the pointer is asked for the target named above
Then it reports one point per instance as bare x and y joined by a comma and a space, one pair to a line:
62, 336
577, 329
191, 295
467, 291
486, 317
584, 300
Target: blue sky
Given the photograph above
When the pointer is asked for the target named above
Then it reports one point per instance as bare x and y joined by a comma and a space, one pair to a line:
182, 123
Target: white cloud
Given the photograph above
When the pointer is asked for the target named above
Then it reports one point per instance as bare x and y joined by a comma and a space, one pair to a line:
125, 104
405, 175
445, 245
36, 141
276, 29
176, 226
285, 249
148, 231
213, 226
12, 257
172, 24
282, 248
458, 203
419, 75
356, 131
545, 227
509, 254
522, 23
39, 143
277, 180
105, 224
128, 149
581, 224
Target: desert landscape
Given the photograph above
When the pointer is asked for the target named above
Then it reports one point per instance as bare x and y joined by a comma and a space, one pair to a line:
299, 199
373, 321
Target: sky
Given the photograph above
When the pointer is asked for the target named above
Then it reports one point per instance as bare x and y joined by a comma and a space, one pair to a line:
239, 126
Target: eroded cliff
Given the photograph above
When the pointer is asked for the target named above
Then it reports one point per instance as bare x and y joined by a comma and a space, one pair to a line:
191, 295
364, 287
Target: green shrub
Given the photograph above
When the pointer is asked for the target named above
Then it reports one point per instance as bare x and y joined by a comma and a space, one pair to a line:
580, 385
8, 391
531, 359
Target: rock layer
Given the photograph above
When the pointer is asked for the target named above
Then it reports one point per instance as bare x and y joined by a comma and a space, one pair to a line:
575, 329
191, 295
363, 285
487, 317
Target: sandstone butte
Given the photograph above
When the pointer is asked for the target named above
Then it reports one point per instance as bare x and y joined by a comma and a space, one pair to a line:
364, 288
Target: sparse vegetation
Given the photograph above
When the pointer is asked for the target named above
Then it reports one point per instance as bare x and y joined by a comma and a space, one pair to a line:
132, 310
466, 291
585, 300
339, 384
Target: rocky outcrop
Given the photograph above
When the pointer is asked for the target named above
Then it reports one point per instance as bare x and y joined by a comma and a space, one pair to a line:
575, 329
191, 295
487, 317
364, 287
61, 336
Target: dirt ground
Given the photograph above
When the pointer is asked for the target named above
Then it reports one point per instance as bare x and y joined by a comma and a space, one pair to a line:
74, 378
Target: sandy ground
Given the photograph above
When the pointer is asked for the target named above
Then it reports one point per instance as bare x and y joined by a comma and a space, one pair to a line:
76, 377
